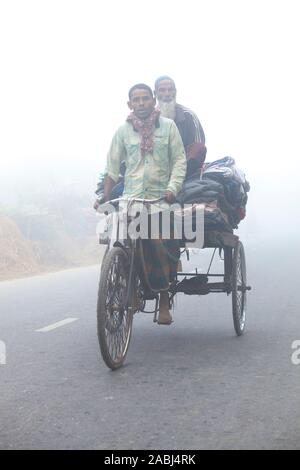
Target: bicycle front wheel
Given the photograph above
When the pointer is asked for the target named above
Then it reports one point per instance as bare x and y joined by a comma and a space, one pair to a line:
114, 318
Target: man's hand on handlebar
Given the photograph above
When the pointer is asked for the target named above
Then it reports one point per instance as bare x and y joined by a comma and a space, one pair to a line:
169, 197
98, 203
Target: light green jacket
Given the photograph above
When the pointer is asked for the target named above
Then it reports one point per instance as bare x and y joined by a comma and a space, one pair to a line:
151, 175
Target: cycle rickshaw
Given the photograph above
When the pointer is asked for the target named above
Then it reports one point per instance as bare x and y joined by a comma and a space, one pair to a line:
121, 292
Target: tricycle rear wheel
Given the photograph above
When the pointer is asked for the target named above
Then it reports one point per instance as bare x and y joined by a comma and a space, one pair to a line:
239, 289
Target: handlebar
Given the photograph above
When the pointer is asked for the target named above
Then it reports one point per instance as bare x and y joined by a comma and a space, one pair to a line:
134, 199
101, 207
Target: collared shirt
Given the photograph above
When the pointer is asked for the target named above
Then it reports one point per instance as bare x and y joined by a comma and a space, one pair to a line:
148, 176
189, 126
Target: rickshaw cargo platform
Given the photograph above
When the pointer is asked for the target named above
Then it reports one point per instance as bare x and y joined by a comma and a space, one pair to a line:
194, 283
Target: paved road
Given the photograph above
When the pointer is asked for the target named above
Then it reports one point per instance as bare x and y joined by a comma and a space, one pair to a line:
193, 385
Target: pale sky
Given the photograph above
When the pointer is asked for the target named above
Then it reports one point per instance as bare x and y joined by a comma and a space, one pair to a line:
67, 65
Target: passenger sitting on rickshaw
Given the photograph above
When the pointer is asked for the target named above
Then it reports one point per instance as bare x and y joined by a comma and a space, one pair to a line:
187, 122
153, 152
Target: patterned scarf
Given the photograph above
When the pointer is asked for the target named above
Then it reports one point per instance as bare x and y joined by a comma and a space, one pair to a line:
146, 129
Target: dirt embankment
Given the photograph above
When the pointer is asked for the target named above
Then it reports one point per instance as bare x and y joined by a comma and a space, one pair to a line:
16, 255
41, 244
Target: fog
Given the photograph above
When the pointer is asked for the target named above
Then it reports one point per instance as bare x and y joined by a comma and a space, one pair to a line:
67, 67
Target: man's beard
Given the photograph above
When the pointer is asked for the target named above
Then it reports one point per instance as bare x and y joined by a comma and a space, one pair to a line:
167, 109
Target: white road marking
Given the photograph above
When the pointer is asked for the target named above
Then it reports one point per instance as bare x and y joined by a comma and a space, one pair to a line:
56, 325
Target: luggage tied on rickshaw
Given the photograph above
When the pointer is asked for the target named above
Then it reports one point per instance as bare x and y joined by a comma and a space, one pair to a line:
222, 188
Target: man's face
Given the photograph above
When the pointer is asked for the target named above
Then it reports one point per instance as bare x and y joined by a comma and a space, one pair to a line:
141, 103
165, 91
